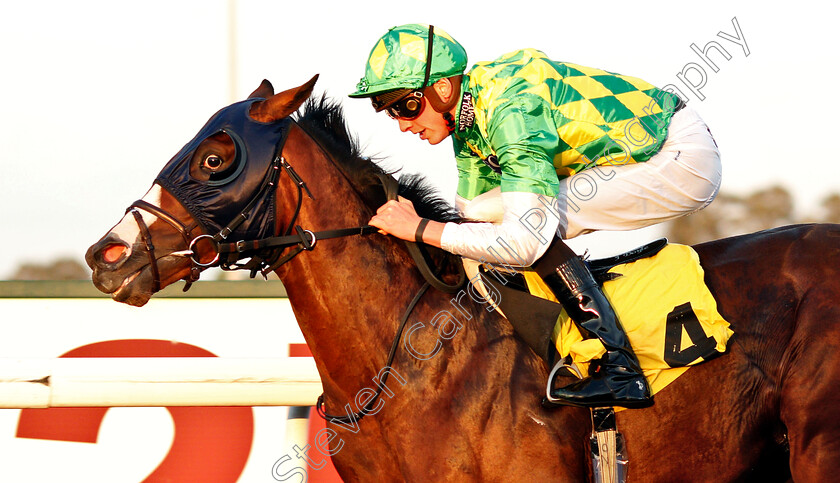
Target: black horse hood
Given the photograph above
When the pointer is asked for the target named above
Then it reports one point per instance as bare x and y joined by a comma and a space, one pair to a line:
215, 202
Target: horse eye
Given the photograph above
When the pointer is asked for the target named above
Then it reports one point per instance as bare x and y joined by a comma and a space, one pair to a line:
213, 162
216, 160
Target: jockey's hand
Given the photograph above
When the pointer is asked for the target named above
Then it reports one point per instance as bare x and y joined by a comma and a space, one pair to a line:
397, 218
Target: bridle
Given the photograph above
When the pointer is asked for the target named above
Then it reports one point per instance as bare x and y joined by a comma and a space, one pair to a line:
185, 231
264, 254
227, 255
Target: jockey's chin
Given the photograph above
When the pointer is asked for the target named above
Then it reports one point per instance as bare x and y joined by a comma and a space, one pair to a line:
436, 139
429, 126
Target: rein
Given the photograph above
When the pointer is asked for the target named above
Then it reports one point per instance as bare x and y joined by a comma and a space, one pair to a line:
422, 260
357, 416
418, 251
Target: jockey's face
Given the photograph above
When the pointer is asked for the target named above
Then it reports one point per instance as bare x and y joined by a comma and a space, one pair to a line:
429, 125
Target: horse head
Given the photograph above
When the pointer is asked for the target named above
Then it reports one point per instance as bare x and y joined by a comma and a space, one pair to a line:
218, 188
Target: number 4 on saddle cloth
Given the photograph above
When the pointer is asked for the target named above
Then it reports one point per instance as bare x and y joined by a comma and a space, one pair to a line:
661, 299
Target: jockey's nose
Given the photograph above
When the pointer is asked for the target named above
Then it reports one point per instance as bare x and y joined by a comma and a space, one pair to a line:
404, 125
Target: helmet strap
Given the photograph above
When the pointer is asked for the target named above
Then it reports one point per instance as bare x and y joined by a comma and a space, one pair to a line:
450, 121
435, 100
429, 56
431, 94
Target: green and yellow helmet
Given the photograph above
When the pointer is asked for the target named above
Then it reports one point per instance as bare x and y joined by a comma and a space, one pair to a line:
398, 60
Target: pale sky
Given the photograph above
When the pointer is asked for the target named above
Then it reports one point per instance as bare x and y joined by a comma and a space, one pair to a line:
96, 96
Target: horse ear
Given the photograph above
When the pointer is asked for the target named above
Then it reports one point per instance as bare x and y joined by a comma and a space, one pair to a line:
283, 104
265, 90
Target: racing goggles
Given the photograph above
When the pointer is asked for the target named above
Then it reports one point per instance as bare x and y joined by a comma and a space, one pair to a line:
408, 107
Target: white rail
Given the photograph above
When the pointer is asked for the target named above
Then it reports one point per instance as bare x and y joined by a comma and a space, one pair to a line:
157, 381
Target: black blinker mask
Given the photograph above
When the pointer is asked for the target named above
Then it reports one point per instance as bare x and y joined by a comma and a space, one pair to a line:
214, 203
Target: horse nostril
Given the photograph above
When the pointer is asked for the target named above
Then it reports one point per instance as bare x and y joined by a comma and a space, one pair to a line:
113, 252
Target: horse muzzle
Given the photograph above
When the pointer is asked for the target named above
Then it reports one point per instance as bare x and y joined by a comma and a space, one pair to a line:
115, 265
124, 270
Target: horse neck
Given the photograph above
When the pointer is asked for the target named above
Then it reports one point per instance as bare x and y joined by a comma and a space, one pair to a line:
347, 293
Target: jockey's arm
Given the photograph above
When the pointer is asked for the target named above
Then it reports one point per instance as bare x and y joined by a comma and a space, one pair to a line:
517, 232
523, 135
514, 226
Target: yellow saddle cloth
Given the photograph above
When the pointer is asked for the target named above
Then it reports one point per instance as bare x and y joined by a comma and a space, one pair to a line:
664, 306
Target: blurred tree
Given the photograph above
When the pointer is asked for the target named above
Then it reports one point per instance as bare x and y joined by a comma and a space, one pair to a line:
731, 215
831, 205
769, 208
60, 269
710, 223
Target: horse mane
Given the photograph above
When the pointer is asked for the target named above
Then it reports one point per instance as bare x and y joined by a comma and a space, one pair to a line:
323, 119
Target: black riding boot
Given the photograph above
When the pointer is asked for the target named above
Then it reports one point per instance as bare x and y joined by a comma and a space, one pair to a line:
618, 380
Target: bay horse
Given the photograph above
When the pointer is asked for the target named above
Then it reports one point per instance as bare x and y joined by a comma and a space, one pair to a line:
463, 399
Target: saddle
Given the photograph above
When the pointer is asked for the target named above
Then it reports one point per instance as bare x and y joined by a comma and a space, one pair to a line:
660, 296
517, 303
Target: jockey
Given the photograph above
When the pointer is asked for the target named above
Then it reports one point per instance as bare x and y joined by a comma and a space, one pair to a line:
545, 151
